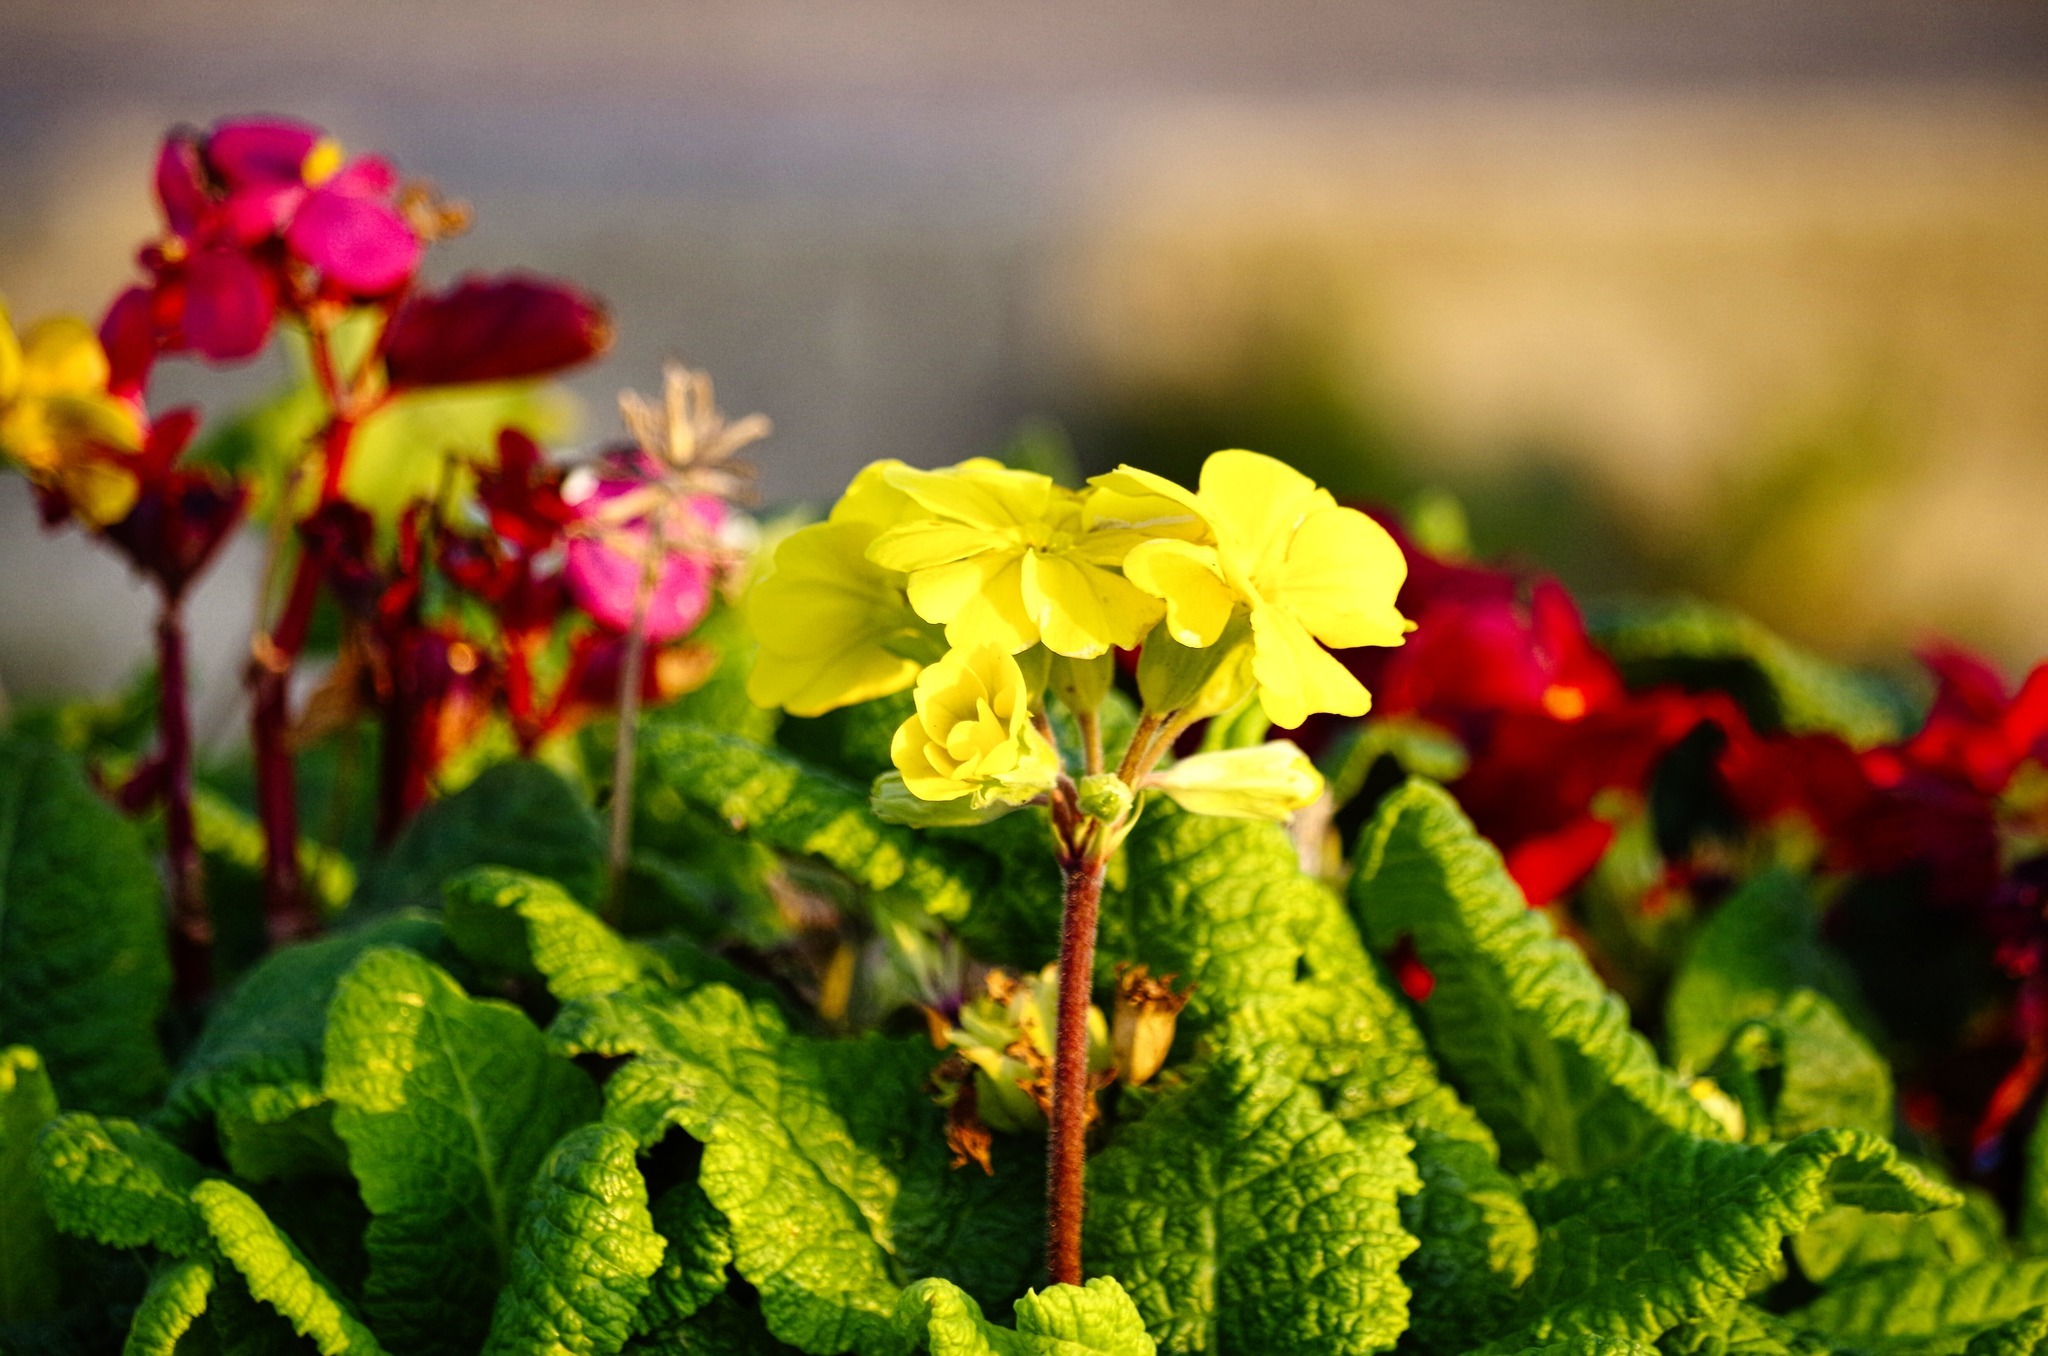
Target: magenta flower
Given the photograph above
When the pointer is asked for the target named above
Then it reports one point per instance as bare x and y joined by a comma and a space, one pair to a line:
245, 204
608, 548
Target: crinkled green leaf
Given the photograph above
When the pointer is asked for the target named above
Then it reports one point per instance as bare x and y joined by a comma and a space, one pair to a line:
1682, 1234
1804, 1068
1846, 1239
516, 924
1778, 684
28, 1260
2033, 1221
1743, 1330
447, 1105
697, 1250
1477, 1244
176, 1298
1924, 1309
851, 742
777, 800
118, 1184
1096, 1319
585, 1251
256, 1070
721, 701
2024, 1335
1517, 1016
790, 1130
1589, 1344
1223, 904
520, 814
83, 970
277, 1273
1759, 945
1242, 1216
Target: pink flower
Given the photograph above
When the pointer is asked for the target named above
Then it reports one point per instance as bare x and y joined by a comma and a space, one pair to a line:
607, 551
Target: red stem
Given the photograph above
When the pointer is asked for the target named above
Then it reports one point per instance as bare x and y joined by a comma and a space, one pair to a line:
287, 912
1068, 1146
191, 925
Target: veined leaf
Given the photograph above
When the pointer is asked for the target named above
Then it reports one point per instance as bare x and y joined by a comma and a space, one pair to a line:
2022, 1336
176, 1298
1846, 1240
1242, 1216
1477, 1244
516, 924
447, 1105
1803, 1068
520, 814
1096, 1319
1743, 1330
1925, 1310
1523, 1026
83, 971
586, 1249
28, 1262
1682, 1234
277, 1273
696, 1252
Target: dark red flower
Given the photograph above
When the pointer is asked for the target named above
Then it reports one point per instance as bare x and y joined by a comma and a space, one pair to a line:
492, 329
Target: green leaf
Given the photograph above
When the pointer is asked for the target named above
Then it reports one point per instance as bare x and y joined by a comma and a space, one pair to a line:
519, 814
586, 1249
1743, 1330
1779, 685
83, 969
28, 1263
1096, 1319
1684, 1233
2021, 1336
698, 1249
277, 1273
116, 1183
1804, 1068
778, 801
175, 1299
1759, 945
447, 1105
516, 924
1224, 905
1522, 1024
791, 1132
1477, 1244
1925, 1310
1242, 1216
1846, 1240
721, 703
256, 1070
2034, 1193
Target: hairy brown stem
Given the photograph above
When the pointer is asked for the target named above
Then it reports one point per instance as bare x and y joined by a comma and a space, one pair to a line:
1068, 1144
191, 924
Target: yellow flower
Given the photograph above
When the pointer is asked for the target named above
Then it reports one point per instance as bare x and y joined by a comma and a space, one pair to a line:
973, 735
1011, 558
58, 422
833, 626
1270, 781
1305, 569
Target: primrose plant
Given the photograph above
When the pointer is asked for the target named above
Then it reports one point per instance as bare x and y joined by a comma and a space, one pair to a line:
1000, 597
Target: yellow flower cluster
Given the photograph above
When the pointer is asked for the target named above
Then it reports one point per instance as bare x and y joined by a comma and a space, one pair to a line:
58, 423
989, 566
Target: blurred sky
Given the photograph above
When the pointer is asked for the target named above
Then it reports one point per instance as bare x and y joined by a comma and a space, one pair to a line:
1769, 282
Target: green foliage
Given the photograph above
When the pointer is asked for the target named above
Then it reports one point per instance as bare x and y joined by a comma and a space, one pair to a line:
83, 971
28, 1259
522, 815
1243, 1217
1517, 1016
1096, 1319
447, 1105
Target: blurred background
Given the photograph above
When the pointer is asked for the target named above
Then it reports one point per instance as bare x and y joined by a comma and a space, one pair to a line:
1741, 298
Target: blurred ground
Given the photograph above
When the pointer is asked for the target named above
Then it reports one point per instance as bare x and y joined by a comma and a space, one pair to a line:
1742, 297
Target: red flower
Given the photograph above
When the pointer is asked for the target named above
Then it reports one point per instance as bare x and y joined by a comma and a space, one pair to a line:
492, 329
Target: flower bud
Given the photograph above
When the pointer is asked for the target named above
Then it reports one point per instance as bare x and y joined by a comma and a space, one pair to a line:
1081, 684
1201, 682
1270, 781
973, 735
1104, 796
893, 802
1147, 1010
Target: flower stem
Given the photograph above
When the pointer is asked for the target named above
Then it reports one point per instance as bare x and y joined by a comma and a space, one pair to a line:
629, 723
191, 925
1068, 1144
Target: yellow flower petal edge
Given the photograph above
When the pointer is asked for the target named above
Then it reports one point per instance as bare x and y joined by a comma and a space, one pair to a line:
1308, 571
973, 735
1271, 781
58, 423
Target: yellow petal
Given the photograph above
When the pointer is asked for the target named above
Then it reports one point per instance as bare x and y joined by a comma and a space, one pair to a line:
823, 616
909, 751
870, 498
993, 499
1081, 610
1198, 602
1120, 515
978, 601
1297, 677
1134, 483
927, 542
10, 358
1254, 502
98, 490
62, 356
1341, 576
